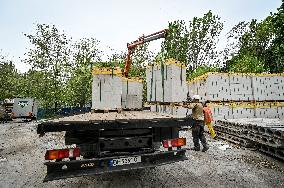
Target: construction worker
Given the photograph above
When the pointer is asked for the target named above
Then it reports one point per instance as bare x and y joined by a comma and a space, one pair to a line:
198, 125
208, 118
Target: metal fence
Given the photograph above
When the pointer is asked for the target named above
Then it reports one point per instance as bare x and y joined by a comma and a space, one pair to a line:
47, 113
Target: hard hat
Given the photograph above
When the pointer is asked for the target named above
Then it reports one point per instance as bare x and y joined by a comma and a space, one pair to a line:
197, 97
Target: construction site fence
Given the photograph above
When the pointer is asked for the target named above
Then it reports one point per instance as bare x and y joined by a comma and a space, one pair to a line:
68, 111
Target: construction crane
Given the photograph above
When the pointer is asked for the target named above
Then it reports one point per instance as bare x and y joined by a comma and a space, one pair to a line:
141, 40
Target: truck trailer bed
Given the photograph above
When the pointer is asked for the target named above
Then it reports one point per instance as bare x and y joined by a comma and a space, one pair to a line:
110, 142
112, 120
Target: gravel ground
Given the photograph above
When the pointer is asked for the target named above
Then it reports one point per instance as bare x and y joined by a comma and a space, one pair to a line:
22, 157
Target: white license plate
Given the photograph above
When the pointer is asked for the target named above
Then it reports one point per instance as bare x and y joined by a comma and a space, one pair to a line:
124, 161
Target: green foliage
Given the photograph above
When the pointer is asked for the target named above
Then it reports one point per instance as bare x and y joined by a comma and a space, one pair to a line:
177, 40
194, 43
111, 64
252, 39
259, 44
246, 64
277, 47
34, 84
50, 56
200, 71
79, 87
9, 79
203, 37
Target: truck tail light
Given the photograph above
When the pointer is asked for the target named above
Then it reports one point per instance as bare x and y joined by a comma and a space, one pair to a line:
62, 153
176, 142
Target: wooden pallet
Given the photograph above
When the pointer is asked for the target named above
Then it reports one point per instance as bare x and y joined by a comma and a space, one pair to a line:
132, 109
166, 103
118, 110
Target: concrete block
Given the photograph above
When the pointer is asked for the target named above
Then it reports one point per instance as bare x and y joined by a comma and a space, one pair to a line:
151, 83
238, 87
132, 91
220, 111
280, 112
106, 92
166, 82
181, 111
133, 102
242, 113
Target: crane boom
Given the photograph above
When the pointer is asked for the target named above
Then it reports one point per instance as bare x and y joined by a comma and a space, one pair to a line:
141, 40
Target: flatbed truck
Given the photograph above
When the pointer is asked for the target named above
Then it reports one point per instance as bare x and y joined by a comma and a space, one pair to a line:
109, 142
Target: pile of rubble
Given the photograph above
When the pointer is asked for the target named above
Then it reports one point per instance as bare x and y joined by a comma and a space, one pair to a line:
265, 134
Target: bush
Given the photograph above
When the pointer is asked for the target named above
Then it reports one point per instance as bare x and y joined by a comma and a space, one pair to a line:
246, 64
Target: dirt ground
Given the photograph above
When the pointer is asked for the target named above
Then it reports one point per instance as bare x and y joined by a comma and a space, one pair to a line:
22, 156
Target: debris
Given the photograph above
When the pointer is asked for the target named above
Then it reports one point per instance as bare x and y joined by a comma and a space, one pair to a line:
265, 134
224, 147
2, 159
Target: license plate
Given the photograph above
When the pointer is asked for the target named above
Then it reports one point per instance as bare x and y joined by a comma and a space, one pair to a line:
125, 161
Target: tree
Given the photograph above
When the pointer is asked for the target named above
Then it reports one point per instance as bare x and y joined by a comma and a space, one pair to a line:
9, 79
234, 41
34, 84
200, 71
203, 38
176, 43
276, 63
194, 44
257, 43
86, 53
249, 45
50, 56
246, 64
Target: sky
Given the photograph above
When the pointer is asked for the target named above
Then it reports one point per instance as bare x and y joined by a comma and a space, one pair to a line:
114, 22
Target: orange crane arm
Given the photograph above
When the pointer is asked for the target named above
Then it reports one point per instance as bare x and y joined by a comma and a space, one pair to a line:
141, 40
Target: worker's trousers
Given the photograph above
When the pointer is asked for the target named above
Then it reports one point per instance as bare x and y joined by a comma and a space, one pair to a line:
198, 134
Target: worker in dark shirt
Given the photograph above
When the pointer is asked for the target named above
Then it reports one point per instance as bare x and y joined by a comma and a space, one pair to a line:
198, 125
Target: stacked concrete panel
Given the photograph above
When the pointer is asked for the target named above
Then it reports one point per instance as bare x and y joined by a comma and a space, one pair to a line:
237, 95
112, 91
151, 83
229, 110
182, 111
213, 87
236, 110
166, 82
106, 89
268, 87
171, 110
238, 87
265, 134
220, 111
132, 89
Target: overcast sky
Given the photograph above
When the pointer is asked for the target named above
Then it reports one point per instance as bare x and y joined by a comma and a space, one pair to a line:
114, 22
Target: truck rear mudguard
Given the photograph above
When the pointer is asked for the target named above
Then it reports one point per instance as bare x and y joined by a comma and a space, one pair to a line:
75, 168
